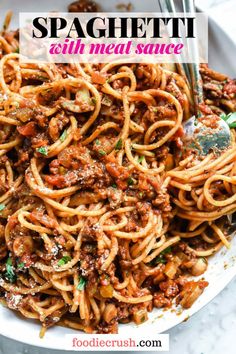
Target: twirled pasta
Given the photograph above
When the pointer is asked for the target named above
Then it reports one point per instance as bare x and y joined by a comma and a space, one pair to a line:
103, 215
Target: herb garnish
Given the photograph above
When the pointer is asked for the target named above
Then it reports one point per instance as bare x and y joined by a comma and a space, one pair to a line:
42, 150
230, 119
93, 101
118, 145
63, 136
20, 265
130, 181
140, 159
2, 207
10, 274
82, 283
102, 152
160, 258
63, 260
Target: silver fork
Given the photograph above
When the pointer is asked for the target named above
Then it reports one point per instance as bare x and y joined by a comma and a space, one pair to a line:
198, 136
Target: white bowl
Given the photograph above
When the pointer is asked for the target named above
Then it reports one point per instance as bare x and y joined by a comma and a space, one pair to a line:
222, 267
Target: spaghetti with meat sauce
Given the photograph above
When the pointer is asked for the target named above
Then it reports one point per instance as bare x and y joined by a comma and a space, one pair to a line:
103, 216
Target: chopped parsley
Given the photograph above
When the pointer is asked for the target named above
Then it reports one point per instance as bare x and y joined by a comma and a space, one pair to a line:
2, 207
82, 283
63, 136
20, 265
17, 50
93, 101
140, 159
161, 258
97, 142
114, 185
43, 150
166, 250
118, 145
158, 260
102, 152
10, 274
230, 119
63, 260
130, 181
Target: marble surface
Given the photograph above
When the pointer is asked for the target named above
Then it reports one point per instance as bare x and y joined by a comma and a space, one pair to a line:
212, 329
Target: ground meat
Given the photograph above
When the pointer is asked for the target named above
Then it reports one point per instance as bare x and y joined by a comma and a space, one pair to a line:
143, 184
87, 263
162, 201
39, 140
75, 166
23, 114
172, 88
230, 87
44, 219
48, 96
170, 288
55, 317
115, 197
56, 125
23, 194
23, 159
106, 328
83, 6
184, 248
90, 232
205, 109
104, 144
160, 112
74, 156
123, 313
67, 180
159, 300
131, 226
3, 247
119, 173
143, 209
211, 121
88, 176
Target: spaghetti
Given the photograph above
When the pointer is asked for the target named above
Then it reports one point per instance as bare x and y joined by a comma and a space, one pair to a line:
103, 214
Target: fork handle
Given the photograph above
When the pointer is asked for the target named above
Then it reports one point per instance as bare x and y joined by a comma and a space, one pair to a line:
196, 78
